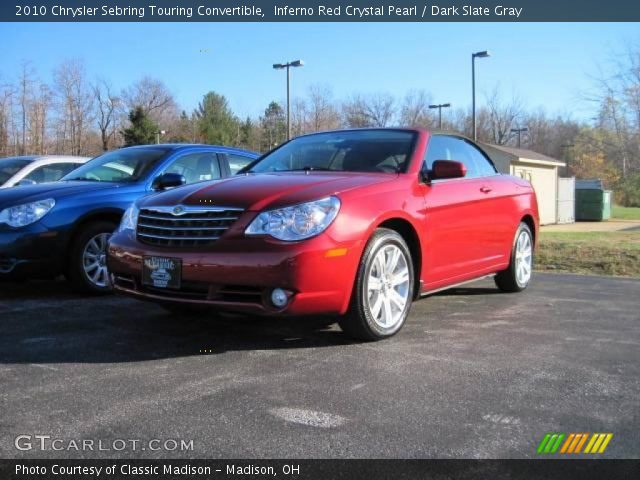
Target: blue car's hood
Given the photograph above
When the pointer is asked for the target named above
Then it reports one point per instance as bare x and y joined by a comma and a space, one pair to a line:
55, 190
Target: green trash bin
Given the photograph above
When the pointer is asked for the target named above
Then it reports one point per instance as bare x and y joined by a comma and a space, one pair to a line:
593, 204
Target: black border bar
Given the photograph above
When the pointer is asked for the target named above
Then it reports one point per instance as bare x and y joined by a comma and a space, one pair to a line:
568, 469
312, 11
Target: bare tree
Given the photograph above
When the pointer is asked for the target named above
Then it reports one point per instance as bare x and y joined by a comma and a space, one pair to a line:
369, 111
415, 110
153, 96
107, 109
38, 116
502, 115
299, 124
75, 105
6, 119
322, 113
25, 91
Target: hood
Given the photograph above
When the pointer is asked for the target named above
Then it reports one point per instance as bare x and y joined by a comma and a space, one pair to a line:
56, 190
259, 191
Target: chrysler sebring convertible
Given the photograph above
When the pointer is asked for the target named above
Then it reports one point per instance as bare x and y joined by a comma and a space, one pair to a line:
63, 227
355, 223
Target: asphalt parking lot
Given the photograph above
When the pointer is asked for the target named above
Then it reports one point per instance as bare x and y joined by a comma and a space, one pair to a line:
475, 373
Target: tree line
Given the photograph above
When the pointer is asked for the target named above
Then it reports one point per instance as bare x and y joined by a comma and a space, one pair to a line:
73, 114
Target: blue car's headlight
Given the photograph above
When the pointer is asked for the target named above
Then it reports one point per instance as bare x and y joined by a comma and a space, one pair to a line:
26, 214
129, 219
296, 222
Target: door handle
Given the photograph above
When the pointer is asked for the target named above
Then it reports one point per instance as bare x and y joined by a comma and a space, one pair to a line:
485, 189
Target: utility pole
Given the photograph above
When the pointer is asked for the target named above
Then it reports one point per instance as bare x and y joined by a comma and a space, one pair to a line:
440, 106
519, 131
288, 65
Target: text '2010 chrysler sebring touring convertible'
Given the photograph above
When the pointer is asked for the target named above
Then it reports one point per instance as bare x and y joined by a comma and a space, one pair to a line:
354, 223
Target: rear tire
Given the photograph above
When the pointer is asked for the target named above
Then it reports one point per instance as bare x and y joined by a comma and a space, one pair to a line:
87, 268
518, 275
383, 290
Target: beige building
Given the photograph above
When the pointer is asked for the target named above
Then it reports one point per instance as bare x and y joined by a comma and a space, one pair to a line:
542, 171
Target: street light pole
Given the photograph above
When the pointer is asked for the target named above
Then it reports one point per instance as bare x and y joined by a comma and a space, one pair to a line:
482, 54
440, 106
288, 65
519, 131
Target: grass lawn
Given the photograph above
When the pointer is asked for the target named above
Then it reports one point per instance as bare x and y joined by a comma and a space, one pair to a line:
625, 213
591, 253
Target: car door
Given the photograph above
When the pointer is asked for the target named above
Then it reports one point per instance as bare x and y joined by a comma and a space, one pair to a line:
459, 216
197, 166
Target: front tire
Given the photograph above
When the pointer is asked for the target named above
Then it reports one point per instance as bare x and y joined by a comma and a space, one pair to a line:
87, 263
517, 276
383, 290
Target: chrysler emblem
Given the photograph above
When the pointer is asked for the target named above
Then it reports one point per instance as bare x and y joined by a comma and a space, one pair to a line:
178, 210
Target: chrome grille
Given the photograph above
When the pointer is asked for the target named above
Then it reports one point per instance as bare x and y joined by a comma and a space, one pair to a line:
184, 226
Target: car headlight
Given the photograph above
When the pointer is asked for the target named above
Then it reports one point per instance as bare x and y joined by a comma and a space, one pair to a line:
26, 214
129, 219
296, 222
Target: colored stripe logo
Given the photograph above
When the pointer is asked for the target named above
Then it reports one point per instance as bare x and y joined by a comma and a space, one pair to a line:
573, 443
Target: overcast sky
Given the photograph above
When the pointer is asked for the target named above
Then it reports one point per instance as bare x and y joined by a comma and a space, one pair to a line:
545, 64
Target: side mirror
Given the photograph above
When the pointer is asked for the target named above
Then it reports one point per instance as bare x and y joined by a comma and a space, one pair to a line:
24, 182
168, 180
447, 169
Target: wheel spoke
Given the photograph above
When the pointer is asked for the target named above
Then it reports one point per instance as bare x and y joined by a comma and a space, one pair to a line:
397, 299
388, 315
392, 260
401, 277
374, 283
91, 266
377, 305
93, 246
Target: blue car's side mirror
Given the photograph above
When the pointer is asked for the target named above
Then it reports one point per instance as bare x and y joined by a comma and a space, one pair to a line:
168, 180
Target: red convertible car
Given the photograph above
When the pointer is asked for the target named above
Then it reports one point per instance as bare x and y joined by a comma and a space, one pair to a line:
351, 223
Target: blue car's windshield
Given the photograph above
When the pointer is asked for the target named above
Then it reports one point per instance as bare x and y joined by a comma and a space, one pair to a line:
120, 166
385, 151
10, 166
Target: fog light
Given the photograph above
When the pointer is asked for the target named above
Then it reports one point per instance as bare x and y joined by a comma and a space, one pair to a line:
279, 297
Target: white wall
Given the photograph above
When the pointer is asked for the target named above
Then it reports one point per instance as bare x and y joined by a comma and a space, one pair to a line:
545, 182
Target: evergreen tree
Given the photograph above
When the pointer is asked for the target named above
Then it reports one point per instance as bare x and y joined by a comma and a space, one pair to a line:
142, 131
274, 125
216, 122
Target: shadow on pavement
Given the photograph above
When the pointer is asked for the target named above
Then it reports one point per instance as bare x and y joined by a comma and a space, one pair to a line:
46, 322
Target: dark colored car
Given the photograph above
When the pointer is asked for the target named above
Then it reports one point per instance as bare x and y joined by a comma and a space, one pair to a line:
63, 227
354, 223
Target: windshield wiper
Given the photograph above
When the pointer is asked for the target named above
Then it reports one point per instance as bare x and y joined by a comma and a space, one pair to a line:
308, 168
83, 179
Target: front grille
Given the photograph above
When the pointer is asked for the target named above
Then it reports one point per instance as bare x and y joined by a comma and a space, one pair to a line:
188, 227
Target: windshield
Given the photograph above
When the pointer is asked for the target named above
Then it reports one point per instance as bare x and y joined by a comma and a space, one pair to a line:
10, 166
386, 151
120, 166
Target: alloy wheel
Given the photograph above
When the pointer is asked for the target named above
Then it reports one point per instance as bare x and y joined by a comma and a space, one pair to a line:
524, 258
387, 286
94, 260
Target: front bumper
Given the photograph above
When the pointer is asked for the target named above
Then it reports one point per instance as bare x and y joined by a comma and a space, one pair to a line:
241, 274
29, 252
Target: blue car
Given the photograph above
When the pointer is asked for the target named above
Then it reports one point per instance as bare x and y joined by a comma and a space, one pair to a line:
63, 227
